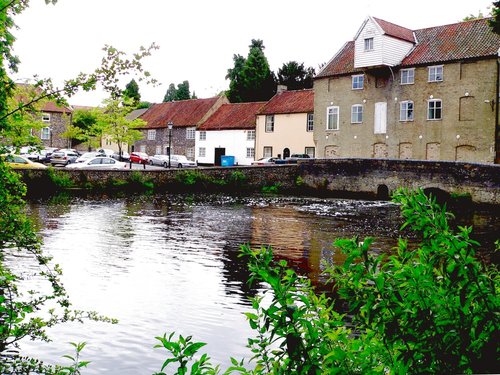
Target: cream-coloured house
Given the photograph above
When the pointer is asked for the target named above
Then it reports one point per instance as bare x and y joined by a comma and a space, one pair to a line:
285, 125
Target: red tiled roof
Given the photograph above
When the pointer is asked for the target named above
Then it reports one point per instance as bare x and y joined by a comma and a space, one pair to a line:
459, 41
182, 113
299, 101
395, 31
53, 107
233, 116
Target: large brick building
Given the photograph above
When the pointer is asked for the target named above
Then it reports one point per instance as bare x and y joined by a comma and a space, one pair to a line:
411, 94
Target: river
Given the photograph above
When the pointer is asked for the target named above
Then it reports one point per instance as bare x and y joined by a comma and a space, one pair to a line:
161, 264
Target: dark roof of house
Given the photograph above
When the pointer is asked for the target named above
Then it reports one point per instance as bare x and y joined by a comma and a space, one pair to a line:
233, 116
298, 101
182, 113
460, 41
395, 31
136, 113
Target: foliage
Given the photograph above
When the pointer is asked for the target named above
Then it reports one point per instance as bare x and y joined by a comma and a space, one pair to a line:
61, 179
495, 21
251, 79
272, 189
85, 127
295, 76
180, 93
76, 365
131, 93
138, 181
431, 309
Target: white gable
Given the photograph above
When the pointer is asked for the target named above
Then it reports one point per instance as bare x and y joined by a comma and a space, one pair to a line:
386, 50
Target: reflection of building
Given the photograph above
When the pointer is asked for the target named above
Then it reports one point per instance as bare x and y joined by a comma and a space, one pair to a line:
411, 94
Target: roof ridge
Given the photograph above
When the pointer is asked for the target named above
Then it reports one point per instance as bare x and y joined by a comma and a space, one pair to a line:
453, 23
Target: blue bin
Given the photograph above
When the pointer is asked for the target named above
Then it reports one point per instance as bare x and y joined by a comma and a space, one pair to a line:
226, 161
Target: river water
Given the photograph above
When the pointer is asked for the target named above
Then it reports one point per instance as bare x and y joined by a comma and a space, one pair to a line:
161, 264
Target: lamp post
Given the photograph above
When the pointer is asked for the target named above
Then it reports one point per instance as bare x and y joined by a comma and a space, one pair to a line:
170, 126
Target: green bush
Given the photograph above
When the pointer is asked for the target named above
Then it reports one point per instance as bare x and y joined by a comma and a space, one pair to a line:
60, 178
426, 309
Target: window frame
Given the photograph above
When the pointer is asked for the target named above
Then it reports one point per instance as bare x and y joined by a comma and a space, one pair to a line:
429, 109
335, 126
368, 42
46, 117
412, 76
357, 106
267, 155
250, 135
406, 111
313, 154
190, 153
310, 122
358, 82
432, 72
250, 152
202, 135
202, 152
151, 134
269, 126
46, 130
191, 133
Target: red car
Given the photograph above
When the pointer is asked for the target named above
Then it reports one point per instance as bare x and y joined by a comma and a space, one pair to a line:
139, 157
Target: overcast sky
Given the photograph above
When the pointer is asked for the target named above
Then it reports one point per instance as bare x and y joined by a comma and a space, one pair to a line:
198, 38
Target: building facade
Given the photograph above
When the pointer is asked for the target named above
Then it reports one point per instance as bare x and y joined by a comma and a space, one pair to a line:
424, 94
55, 121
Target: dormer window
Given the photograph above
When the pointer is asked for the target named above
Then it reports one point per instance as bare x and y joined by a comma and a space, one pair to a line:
435, 73
357, 82
368, 44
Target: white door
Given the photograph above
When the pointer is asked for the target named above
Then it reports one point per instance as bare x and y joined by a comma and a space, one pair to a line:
380, 118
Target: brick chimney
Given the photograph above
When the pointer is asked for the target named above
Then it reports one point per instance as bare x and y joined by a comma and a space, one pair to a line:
280, 89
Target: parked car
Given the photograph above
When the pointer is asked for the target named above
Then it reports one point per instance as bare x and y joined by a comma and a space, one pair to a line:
180, 161
125, 156
139, 157
295, 157
264, 161
88, 155
106, 151
98, 162
63, 157
22, 162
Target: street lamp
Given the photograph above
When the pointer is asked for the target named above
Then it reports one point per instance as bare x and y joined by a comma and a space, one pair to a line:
170, 126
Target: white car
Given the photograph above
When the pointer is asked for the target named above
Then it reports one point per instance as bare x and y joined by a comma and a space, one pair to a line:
98, 162
87, 156
264, 161
176, 161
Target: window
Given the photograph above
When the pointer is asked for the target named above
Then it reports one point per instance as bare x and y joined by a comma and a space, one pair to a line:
310, 122
407, 76
45, 133
309, 151
142, 148
356, 114
268, 152
332, 118
269, 123
435, 73
158, 149
434, 109
251, 135
203, 135
201, 152
190, 133
190, 153
369, 44
151, 135
357, 82
46, 117
406, 111
250, 153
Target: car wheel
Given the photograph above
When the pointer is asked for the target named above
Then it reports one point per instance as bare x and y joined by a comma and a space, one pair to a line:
151, 162
179, 165
165, 165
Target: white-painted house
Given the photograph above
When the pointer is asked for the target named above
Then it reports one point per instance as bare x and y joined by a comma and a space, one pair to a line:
230, 131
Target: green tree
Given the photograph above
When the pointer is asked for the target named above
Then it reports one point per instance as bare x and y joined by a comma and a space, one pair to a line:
170, 94
115, 125
131, 93
85, 127
181, 92
251, 78
495, 21
295, 76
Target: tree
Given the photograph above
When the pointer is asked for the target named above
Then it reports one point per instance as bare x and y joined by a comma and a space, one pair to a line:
132, 92
180, 93
114, 124
85, 127
495, 21
170, 94
295, 76
251, 79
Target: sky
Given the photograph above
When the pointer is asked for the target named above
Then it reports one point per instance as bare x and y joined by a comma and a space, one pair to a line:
198, 38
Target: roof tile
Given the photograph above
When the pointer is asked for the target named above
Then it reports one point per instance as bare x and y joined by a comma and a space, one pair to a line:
297, 101
233, 116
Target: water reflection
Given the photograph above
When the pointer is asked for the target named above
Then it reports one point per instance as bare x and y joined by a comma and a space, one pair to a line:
162, 264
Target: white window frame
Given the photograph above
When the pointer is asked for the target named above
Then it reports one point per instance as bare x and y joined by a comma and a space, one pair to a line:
405, 112
251, 135
142, 148
433, 103
190, 133
332, 111
310, 122
151, 134
202, 152
269, 123
203, 135
368, 44
158, 149
45, 117
408, 76
436, 73
190, 153
358, 82
250, 153
357, 114
45, 133
267, 152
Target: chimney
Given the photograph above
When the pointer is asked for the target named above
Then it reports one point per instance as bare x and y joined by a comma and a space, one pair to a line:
280, 89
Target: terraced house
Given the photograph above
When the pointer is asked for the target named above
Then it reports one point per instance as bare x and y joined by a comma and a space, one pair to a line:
411, 94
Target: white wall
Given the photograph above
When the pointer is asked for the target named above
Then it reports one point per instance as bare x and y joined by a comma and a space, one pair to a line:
234, 141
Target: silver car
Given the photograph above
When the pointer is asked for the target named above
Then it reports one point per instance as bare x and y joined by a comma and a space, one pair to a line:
176, 161
98, 162
63, 157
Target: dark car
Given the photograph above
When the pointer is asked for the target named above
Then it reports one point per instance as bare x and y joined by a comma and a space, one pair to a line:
139, 157
296, 157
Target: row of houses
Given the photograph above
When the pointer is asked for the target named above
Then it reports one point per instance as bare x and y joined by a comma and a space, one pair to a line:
391, 92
